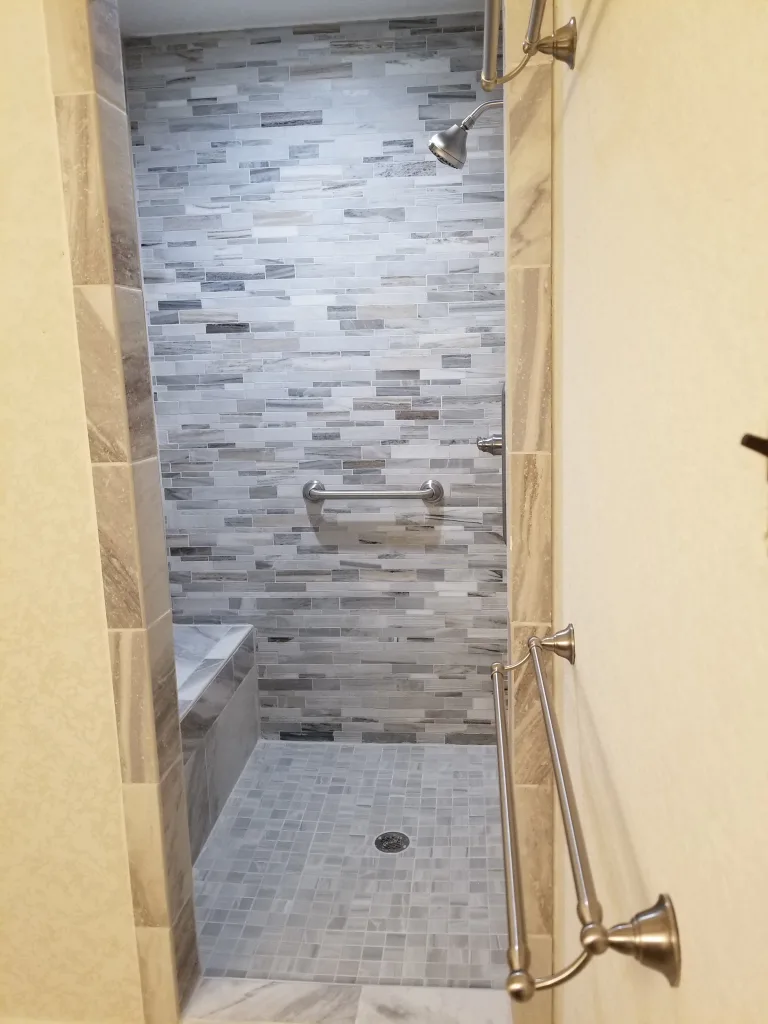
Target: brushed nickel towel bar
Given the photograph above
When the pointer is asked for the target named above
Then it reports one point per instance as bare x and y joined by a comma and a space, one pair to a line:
430, 491
651, 937
561, 45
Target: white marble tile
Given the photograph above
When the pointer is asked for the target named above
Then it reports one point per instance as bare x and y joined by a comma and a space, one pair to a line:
277, 1002
385, 1004
200, 651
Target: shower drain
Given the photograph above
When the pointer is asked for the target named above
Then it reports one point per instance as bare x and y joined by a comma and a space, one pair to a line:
392, 842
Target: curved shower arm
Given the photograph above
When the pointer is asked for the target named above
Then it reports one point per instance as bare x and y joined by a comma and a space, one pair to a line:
471, 118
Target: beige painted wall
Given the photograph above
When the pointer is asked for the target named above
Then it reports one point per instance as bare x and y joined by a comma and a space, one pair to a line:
67, 941
661, 354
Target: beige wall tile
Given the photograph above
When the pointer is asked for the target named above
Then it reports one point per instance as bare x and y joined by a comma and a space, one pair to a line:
539, 1010
113, 491
529, 360
107, 50
185, 948
527, 146
529, 511
155, 592
134, 705
137, 378
164, 693
144, 829
118, 180
84, 200
69, 46
541, 955
158, 975
532, 763
101, 365
178, 860
535, 835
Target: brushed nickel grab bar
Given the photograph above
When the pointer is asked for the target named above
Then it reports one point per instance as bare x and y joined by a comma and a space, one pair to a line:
430, 491
651, 936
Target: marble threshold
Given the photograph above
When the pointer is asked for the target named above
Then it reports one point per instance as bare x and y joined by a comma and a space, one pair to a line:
244, 1001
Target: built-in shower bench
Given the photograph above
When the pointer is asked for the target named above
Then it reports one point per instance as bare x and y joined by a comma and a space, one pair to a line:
219, 712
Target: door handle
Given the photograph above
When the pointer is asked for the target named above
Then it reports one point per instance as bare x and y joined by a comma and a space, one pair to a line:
493, 444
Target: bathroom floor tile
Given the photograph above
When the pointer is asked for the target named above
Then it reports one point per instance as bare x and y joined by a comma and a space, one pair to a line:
291, 886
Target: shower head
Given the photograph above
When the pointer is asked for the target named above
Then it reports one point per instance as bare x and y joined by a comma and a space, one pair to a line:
450, 145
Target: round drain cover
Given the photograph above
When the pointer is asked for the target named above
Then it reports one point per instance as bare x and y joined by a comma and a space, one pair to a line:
392, 842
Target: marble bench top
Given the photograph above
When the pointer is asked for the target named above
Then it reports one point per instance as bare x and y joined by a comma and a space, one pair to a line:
201, 651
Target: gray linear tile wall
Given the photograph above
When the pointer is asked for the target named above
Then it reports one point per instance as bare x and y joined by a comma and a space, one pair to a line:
326, 301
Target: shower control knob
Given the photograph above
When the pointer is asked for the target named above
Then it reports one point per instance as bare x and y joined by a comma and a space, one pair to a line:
493, 445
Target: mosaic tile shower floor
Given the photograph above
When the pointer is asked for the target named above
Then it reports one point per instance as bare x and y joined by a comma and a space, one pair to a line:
290, 885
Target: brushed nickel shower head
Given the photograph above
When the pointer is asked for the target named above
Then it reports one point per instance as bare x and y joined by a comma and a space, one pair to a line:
450, 145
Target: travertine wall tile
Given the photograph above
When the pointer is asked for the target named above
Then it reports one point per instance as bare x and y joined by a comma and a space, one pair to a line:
133, 704
527, 189
106, 49
101, 363
118, 180
158, 975
540, 1009
137, 379
535, 837
84, 199
155, 594
530, 540
532, 763
178, 859
165, 701
144, 829
113, 491
185, 951
529, 360
158, 847
69, 46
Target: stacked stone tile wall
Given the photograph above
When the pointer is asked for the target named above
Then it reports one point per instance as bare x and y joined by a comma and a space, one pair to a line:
326, 301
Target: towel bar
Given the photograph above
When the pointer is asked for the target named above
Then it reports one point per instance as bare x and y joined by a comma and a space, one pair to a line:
651, 936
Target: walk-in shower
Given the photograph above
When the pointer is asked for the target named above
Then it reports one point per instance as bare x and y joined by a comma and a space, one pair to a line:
326, 322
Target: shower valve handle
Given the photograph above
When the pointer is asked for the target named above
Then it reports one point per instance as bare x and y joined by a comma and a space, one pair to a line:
493, 445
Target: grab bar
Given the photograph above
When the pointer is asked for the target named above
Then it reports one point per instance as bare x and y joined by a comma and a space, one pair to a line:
651, 936
430, 491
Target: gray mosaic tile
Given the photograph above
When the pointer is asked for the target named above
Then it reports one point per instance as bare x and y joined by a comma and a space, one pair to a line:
291, 886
